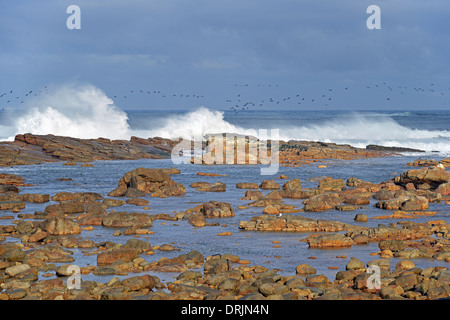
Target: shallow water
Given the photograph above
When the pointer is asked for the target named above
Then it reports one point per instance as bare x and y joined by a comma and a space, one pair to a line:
249, 245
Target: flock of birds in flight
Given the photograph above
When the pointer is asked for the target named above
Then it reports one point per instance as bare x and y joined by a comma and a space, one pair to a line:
10, 98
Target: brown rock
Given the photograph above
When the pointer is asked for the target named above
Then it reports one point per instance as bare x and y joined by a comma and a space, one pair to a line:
253, 195
155, 181
216, 209
269, 185
329, 240
137, 201
36, 198
293, 184
270, 210
113, 202
305, 269
60, 226
434, 176
139, 282
109, 257
321, 202
213, 187
361, 217
409, 203
127, 219
330, 184
12, 205
444, 189
247, 185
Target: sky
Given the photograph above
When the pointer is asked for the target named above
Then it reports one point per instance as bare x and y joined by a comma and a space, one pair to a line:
268, 54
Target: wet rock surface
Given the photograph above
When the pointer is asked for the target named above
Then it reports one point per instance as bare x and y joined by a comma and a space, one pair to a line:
38, 249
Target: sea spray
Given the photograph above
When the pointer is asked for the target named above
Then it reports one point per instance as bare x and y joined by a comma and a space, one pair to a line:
84, 111
79, 111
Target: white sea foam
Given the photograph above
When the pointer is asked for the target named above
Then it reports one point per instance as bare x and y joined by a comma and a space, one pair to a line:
80, 111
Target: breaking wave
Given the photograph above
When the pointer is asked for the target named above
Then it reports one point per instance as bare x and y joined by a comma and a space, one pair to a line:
84, 111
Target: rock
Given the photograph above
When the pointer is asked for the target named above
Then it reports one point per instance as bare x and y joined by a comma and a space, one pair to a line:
361, 217
87, 165
393, 245
207, 174
16, 294
253, 195
38, 236
386, 254
93, 216
36, 198
137, 244
166, 247
8, 188
274, 195
321, 202
330, 240
109, 257
407, 281
213, 187
113, 202
383, 194
293, 184
360, 282
10, 180
60, 226
410, 203
360, 239
297, 193
198, 220
253, 296
199, 184
355, 264
127, 219
247, 185
348, 275
305, 269
137, 201
139, 282
77, 196
12, 205
292, 223
383, 264
148, 181
269, 185
62, 209
15, 270
405, 265
391, 149
216, 209
270, 210
433, 176
317, 278
444, 189
354, 182
40, 288
391, 292
268, 289
228, 284
383, 232
330, 184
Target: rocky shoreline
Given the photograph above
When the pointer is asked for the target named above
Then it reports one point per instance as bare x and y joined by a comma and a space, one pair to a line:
29, 149
37, 249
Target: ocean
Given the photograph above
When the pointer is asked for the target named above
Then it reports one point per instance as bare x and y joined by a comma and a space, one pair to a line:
99, 117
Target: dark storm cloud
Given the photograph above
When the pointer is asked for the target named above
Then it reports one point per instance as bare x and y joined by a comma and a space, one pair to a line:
205, 41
